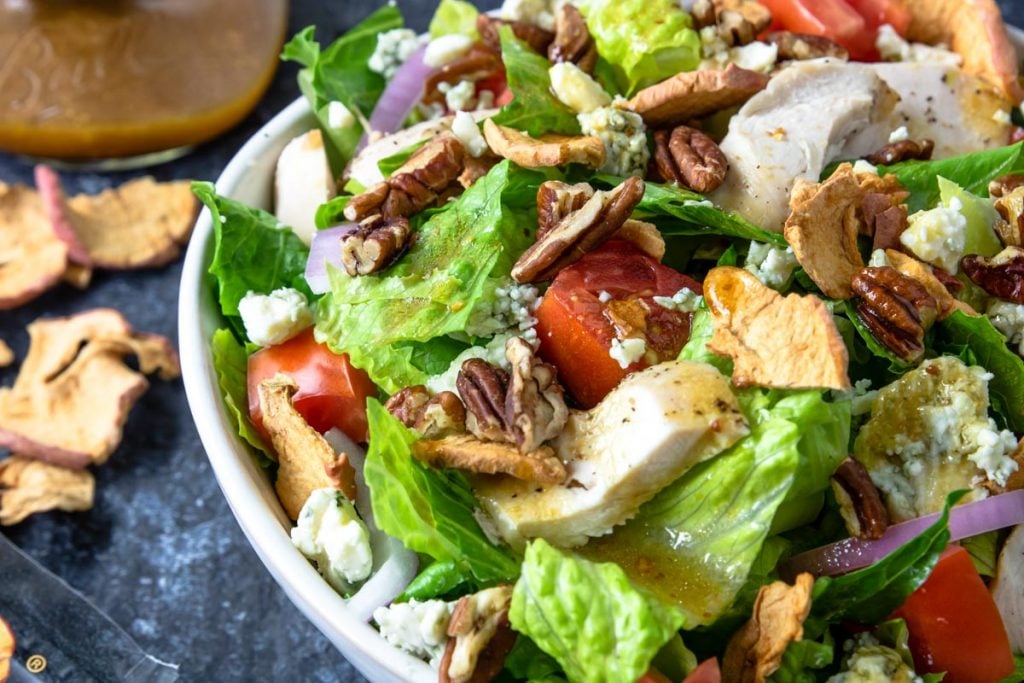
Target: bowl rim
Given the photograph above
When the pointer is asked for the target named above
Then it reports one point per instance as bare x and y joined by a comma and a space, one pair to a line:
231, 460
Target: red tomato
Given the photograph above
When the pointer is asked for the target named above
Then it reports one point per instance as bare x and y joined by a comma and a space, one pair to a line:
834, 19
707, 672
653, 676
576, 328
331, 392
878, 12
497, 83
955, 626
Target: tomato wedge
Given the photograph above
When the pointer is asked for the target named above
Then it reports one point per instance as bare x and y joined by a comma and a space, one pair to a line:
332, 393
878, 12
575, 319
955, 626
833, 19
707, 672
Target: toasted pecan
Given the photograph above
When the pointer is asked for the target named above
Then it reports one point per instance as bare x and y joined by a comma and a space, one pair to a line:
694, 94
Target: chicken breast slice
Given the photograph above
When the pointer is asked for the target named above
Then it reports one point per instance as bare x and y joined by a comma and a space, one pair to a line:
643, 436
811, 114
302, 182
1008, 588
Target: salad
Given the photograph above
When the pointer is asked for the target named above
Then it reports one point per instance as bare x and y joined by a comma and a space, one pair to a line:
621, 341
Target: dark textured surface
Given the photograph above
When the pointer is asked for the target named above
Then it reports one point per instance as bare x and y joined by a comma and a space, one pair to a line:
161, 552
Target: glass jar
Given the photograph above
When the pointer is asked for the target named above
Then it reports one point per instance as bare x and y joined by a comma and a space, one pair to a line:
101, 79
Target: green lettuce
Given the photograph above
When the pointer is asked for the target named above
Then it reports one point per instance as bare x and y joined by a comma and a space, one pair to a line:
533, 109
643, 41
461, 254
701, 330
454, 17
389, 165
588, 616
438, 580
230, 364
341, 73
252, 252
430, 511
1018, 674
528, 662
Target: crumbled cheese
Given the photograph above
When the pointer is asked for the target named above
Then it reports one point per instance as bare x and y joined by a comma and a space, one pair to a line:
938, 235
1002, 116
419, 628
717, 54
512, 311
894, 48
576, 89
1008, 318
465, 129
685, 301
330, 533
604, 297
771, 265
624, 138
868, 661
338, 116
484, 100
861, 397
459, 97
899, 135
625, 352
537, 12
878, 259
864, 166
393, 48
712, 47
446, 49
276, 317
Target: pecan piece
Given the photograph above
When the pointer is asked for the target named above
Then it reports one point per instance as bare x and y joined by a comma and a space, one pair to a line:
374, 245
1010, 207
1001, 276
801, 46
573, 42
860, 503
739, 21
480, 637
535, 407
896, 308
1004, 185
579, 232
695, 94
556, 200
433, 417
489, 29
408, 404
416, 184
462, 451
482, 387
902, 151
689, 158
546, 151
480, 62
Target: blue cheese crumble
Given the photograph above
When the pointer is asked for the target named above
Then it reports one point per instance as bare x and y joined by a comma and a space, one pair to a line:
419, 628
684, 301
1008, 318
339, 116
446, 49
894, 48
771, 265
624, 137
393, 48
330, 533
276, 317
938, 236
625, 352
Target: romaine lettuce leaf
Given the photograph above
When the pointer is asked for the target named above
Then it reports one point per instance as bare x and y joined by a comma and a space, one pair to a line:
528, 662
430, 511
230, 363
454, 17
588, 616
534, 109
460, 255
805, 658
644, 41
701, 330
252, 252
437, 581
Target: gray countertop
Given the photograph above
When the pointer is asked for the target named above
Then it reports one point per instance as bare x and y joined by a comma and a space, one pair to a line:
161, 552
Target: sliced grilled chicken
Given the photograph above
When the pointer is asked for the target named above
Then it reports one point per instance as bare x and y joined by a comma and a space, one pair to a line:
302, 182
1008, 588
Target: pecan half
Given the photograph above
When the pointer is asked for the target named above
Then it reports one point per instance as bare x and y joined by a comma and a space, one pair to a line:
1004, 185
896, 308
480, 62
689, 158
433, 417
860, 503
696, 94
1001, 276
556, 200
739, 21
573, 42
408, 404
546, 151
432, 170
902, 151
579, 232
482, 387
1010, 206
480, 637
462, 451
489, 29
535, 404
801, 46
374, 245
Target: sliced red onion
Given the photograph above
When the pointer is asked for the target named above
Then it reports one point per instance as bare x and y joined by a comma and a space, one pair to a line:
979, 517
325, 248
399, 97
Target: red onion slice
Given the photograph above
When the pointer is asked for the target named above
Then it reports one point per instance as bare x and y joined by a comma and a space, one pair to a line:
399, 97
979, 517
325, 248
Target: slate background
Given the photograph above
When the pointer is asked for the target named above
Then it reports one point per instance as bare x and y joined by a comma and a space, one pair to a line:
161, 552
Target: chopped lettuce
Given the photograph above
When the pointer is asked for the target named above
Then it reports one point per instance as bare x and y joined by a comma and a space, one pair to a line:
534, 109
701, 330
454, 17
341, 73
461, 254
229, 361
252, 252
643, 41
430, 511
528, 662
437, 581
588, 616
389, 165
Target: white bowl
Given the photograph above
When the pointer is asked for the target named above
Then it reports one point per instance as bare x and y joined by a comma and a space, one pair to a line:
249, 178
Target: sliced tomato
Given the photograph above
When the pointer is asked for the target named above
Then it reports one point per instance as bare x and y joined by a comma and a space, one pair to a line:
332, 393
955, 626
878, 12
497, 83
707, 672
833, 19
576, 327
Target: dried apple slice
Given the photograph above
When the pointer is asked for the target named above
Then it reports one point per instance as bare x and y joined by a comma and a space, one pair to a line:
7, 644
6, 354
29, 486
32, 257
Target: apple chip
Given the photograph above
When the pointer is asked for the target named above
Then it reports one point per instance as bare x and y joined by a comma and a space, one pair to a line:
52, 196
755, 652
32, 256
28, 486
781, 342
6, 354
7, 644
306, 461
466, 452
545, 151
73, 393
923, 273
